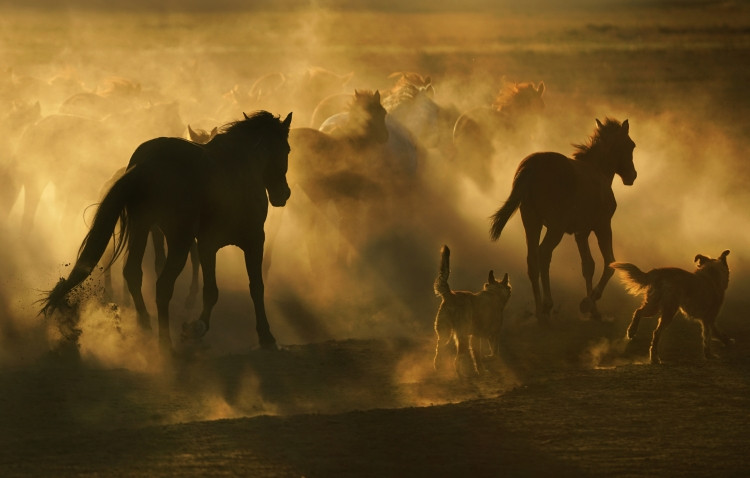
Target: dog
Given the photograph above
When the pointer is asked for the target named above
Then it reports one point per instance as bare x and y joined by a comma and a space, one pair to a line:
699, 295
466, 316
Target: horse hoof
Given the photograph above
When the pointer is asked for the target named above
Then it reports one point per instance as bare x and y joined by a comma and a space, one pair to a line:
194, 330
269, 344
586, 305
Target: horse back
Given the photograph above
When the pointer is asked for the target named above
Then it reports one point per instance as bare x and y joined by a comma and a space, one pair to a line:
566, 193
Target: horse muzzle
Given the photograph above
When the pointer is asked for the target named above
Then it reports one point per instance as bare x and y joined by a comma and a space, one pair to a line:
629, 179
279, 195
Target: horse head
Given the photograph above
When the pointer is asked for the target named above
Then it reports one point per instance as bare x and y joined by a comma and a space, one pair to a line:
518, 100
274, 174
620, 149
367, 116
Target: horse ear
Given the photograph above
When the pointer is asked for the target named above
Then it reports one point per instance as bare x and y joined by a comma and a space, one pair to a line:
540, 88
214, 131
288, 121
599, 124
191, 133
245, 115
491, 277
377, 96
625, 126
505, 279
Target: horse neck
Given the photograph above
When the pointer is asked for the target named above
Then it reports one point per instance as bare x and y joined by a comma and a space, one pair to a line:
601, 161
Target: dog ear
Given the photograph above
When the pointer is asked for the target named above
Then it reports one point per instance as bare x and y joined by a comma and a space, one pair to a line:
491, 277
701, 259
724, 255
505, 279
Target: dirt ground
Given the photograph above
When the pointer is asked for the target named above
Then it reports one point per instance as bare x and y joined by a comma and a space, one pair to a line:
351, 390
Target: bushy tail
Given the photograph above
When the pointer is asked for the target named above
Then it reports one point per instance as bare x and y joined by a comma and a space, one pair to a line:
517, 193
110, 211
636, 281
441, 282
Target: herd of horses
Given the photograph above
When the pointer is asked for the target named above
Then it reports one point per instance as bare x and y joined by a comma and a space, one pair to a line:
214, 190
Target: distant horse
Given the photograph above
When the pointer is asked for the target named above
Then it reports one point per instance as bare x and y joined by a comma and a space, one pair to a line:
49, 148
411, 103
476, 131
573, 196
343, 165
217, 193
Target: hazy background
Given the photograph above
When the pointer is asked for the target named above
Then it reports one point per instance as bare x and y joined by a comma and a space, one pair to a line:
673, 69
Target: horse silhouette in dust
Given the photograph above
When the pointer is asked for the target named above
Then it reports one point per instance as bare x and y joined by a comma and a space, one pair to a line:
509, 120
199, 136
344, 165
573, 196
216, 193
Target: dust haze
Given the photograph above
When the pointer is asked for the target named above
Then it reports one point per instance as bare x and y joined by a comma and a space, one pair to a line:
114, 78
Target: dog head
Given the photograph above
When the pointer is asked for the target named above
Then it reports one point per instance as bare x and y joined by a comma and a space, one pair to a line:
500, 288
717, 269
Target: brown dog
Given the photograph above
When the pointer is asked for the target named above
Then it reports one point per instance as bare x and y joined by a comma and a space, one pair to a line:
464, 316
698, 295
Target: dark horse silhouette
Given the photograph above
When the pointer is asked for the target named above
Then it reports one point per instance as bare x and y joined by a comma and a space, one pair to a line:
213, 193
572, 196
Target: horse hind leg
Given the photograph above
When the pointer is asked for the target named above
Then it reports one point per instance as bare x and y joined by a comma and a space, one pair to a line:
178, 250
194, 280
533, 230
551, 239
133, 273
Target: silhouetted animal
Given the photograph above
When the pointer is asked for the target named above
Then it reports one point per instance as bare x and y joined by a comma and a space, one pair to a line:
412, 105
573, 196
217, 193
200, 136
468, 317
667, 290
344, 166
508, 117
48, 148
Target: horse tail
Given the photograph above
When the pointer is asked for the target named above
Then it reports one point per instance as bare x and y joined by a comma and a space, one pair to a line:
636, 281
517, 194
110, 211
441, 282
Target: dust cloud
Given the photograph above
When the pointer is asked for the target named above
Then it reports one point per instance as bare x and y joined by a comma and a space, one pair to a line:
81, 88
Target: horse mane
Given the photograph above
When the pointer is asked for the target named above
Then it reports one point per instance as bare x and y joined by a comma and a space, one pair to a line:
583, 151
252, 128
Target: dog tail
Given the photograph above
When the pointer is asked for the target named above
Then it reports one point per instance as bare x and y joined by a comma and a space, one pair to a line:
441, 282
636, 281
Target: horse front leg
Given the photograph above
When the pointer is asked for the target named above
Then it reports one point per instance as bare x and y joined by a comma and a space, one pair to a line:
254, 266
604, 238
133, 273
587, 269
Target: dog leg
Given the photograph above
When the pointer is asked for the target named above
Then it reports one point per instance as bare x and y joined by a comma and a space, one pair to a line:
647, 309
668, 313
706, 333
726, 340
